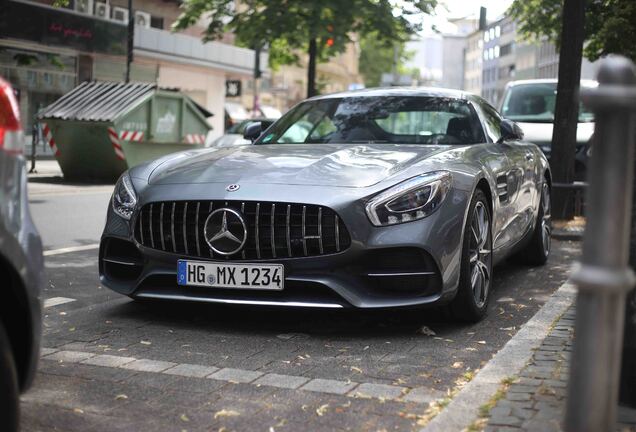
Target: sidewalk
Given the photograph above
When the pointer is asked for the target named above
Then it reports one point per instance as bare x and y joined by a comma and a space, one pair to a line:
533, 398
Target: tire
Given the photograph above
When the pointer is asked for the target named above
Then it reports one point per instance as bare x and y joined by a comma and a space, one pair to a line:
536, 253
471, 301
9, 390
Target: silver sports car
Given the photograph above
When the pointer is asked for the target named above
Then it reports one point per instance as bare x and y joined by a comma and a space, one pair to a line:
369, 199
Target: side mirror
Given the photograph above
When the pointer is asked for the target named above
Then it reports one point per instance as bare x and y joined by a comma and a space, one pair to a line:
510, 131
253, 131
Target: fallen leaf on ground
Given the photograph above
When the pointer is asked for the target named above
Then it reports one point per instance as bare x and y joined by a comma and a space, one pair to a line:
471, 349
184, 418
481, 342
322, 410
79, 411
457, 365
71, 329
226, 413
121, 397
146, 342
426, 331
356, 369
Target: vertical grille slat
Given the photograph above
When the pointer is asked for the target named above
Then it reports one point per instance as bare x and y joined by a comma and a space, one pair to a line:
320, 230
163, 243
273, 220
256, 224
304, 230
185, 231
197, 228
274, 230
288, 224
152, 237
174, 242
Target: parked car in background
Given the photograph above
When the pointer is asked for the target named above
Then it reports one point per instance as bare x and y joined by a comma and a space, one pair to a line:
234, 135
379, 198
21, 268
531, 103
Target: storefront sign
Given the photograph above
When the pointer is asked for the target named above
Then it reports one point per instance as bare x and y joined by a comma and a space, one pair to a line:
232, 88
60, 27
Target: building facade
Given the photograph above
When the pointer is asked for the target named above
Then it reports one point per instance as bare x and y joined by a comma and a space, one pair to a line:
45, 51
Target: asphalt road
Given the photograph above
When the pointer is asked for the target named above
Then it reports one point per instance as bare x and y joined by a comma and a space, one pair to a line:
114, 364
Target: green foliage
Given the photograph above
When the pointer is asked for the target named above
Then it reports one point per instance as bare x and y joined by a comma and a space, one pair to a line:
377, 57
287, 26
610, 25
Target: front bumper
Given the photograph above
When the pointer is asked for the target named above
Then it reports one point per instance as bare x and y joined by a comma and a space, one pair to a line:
410, 264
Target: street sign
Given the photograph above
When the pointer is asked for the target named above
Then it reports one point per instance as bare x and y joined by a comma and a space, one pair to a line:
232, 88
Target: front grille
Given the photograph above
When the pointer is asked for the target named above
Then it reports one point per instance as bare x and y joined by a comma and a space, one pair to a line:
274, 230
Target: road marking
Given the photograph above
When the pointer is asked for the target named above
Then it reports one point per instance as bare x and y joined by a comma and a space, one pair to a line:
346, 388
70, 249
55, 301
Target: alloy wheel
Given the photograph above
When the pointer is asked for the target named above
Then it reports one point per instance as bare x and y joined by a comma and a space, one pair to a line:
480, 254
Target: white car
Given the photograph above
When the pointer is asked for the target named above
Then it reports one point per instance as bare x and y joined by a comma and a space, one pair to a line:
531, 103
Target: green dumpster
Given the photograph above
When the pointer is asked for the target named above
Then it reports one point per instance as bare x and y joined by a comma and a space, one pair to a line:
99, 129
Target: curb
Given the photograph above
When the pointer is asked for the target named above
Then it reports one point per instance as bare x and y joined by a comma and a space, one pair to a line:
567, 235
510, 360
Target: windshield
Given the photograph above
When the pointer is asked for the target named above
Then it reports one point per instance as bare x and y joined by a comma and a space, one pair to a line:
534, 103
378, 119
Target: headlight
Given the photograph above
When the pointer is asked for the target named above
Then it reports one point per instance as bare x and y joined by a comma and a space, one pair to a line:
410, 200
124, 197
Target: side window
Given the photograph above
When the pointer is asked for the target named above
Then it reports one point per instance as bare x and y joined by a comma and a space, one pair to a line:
492, 121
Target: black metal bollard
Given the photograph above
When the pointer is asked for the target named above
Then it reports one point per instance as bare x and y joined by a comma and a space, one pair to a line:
604, 277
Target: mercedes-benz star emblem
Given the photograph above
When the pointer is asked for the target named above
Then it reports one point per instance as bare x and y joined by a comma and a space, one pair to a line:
225, 231
233, 187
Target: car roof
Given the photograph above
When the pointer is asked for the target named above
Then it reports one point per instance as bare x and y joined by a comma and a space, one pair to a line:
398, 91
584, 82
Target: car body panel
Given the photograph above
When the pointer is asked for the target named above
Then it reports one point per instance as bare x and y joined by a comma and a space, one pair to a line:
21, 250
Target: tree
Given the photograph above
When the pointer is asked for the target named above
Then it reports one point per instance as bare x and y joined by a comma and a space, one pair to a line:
610, 25
378, 57
570, 33
320, 28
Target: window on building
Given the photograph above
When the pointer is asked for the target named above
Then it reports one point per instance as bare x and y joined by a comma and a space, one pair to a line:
497, 51
492, 33
507, 49
497, 31
156, 22
486, 38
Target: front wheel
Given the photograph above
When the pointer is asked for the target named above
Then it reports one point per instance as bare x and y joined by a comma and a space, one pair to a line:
471, 302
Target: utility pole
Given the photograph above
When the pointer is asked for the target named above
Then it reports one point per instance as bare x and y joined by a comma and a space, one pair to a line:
131, 38
566, 110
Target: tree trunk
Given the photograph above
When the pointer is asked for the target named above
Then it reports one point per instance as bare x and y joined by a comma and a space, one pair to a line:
311, 69
567, 107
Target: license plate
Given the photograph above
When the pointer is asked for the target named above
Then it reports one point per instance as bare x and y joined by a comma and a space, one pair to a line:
220, 275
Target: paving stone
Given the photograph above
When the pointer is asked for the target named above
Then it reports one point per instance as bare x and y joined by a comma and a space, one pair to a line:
505, 421
281, 381
47, 351
518, 388
423, 395
191, 370
69, 356
329, 386
108, 360
146, 365
236, 375
379, 391
518, 396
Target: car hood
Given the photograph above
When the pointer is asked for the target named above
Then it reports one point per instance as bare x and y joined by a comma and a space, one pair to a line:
316, 165
541, 133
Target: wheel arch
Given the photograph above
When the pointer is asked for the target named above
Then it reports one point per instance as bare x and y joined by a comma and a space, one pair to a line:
15, 315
